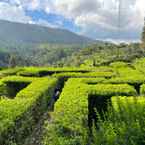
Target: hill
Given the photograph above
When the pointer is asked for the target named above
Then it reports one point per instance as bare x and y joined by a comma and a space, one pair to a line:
104, 53
37, 44
12, 32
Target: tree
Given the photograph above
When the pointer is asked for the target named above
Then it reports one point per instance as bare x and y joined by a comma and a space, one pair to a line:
12, 61
143, 36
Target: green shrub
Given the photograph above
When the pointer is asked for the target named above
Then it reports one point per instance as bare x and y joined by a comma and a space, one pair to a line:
10, 71
124, 124
88, 75
43, 71
142, 90
18, 116
118, 64
130, 80
11, 85
139, 64
110, 90
69, 119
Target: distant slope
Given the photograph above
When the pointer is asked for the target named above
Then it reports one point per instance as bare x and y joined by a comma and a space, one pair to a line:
36, 44
12, 32
103, 54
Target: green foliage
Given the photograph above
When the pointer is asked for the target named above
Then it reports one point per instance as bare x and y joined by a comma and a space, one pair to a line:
118, 64
19, 115
10, 71
90, 74
109, 90
69, 118
70, 122
124, 123
143, 37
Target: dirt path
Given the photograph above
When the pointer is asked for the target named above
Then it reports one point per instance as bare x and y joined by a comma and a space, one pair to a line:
36, 137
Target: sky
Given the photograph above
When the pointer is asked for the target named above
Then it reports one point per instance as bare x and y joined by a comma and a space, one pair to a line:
97, 19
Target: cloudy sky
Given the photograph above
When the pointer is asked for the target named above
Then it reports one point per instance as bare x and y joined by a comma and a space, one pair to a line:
94, 18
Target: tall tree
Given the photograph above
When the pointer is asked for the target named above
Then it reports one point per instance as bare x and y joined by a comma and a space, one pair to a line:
12, 61
143, 36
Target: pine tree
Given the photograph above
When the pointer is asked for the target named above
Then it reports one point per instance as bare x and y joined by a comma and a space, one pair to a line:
12, 61
143, 36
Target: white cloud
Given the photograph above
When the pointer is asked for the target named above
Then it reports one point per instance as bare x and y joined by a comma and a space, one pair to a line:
99, 18
96, 18
14, 10
13, 13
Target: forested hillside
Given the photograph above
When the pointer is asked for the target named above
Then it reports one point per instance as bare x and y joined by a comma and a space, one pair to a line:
104, 53
37, 44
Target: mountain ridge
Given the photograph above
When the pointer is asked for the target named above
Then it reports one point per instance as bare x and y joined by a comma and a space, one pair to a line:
15, 32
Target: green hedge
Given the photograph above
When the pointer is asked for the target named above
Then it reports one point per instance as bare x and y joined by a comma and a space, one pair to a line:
127, 103
70, 117
130, 80
39, 72
110, 90
88, 75
119, 64
11, 85
18, 116
139, 64
142, 89
43, 71
10, 71
69, 120
128, 71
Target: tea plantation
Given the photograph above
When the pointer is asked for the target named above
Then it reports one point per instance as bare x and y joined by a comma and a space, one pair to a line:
103, 105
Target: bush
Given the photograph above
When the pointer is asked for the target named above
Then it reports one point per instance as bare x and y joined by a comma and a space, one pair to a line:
19, 115
10, 71
109, 90
88, 75
70, 119
124, 124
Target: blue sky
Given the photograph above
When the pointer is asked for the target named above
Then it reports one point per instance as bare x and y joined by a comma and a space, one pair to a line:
97, 19
53, 19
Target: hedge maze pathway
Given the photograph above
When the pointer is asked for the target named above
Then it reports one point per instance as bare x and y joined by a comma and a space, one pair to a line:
85, 96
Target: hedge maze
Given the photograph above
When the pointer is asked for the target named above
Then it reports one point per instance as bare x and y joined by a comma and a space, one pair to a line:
96, 106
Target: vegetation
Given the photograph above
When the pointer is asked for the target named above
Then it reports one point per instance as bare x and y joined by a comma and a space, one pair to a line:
124, 123
19, 115
95, 95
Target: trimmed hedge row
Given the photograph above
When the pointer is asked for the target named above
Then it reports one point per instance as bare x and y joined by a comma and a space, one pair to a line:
119, 64
88, 75
129, 104
18, 79
91, 81
18, 116
139, 64
44, 71
39, 72
142, 89
70, 118
130, 80
10, 71
11, 85
128, 71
